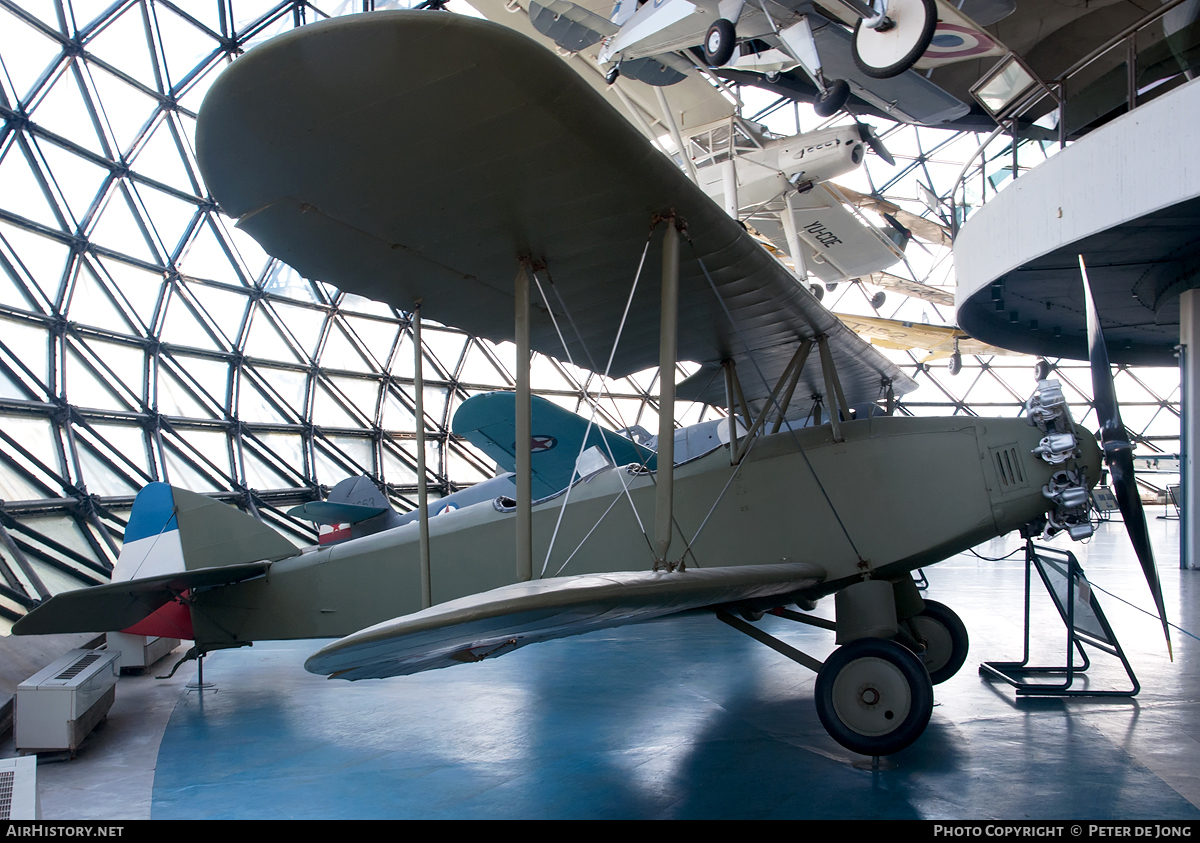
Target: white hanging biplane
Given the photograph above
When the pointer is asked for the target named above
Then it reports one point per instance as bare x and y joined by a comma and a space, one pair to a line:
451, 166
885, 38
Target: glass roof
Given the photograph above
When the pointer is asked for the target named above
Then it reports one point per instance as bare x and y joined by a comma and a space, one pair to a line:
143, 337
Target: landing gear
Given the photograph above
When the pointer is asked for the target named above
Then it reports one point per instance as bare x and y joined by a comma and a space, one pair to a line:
719, 43
945, 639
874, 696
830, 101
613, 73
888, 46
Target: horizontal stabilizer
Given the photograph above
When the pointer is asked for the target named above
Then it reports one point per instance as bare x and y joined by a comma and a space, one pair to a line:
499, 621
327, 512
119, 605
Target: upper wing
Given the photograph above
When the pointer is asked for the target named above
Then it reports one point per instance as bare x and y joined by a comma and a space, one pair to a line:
409, 156
501, 620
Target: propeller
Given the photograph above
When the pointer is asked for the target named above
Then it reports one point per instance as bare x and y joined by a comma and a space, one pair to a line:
871, 139
1118, 453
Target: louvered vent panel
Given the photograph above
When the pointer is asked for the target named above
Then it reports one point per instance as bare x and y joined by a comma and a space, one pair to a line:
6, 793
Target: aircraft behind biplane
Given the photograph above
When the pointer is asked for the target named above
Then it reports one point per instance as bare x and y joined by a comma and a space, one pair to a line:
452, 167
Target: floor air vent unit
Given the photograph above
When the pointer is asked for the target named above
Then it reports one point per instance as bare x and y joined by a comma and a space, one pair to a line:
60, 704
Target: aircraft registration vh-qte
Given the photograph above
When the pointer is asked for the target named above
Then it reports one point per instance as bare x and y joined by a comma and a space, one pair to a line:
450, 165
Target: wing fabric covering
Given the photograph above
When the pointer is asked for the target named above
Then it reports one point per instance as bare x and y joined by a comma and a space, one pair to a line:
499, 621
449, 149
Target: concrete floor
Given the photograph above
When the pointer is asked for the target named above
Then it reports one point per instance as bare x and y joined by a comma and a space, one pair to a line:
680, 718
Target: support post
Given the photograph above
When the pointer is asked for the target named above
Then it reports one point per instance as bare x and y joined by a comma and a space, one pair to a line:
667, 348
831, 389
524, 424
731, 406
799, 267
1189, 469
422, 487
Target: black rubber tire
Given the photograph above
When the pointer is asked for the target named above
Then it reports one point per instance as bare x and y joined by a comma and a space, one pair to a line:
867, 685
942, 626
834, 98
911, 57
719, 43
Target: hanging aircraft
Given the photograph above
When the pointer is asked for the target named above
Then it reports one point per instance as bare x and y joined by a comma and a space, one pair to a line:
444, 163
940, 342
870, 44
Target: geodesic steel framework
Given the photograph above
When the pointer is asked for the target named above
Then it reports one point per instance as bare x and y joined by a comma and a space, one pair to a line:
143, 337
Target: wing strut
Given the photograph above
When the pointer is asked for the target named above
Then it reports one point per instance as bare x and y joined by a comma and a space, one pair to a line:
524, 424
668, 343
422, 486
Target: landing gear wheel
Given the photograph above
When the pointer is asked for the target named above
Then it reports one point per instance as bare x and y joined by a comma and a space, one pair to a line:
613, 73
874, 696
946, 641
719, 43
884, 53
831, 101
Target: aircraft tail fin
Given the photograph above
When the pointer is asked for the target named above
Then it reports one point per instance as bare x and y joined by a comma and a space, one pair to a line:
175, 540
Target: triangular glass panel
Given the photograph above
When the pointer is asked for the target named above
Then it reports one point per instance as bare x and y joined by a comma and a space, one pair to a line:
304, 323
43, 259
14, 486
183, 44
205, 258
359, 450
117, 228
226, 308
84, 14
265, 342
545, 374
24, 54
376, 335
435, 399
255, 407
37, 436
63, 110
10, 388
12, 291
288, 448
211, 445
398, 465
29, 344
179, 472
193, 96
361, 392
478, 369
282, 280
329, 412
181, 327
261, 475
279, 25
176, 399
22, 191
122, 44
464, 468
338, 352
127, 440
161, 159
289, 385
78, 179
88, 389
126, 362
126, 109
100, 479
446, 347
91, 304
212, 376
403, 364
170, 217
141, 287
397, 417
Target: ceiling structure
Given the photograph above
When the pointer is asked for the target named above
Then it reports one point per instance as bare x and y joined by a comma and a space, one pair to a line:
143, 337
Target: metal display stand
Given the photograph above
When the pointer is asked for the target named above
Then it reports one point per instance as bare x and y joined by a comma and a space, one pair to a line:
1085, 622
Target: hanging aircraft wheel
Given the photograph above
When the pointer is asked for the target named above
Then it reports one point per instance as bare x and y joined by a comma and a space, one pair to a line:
884, 53
719, 43
830, 102
945, 638
874, 696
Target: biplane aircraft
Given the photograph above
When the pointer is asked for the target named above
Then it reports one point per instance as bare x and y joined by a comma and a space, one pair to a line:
884, 38
451, 166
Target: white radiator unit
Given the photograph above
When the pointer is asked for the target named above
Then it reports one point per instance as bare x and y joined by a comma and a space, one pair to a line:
139, 652
60, 704
18, 789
